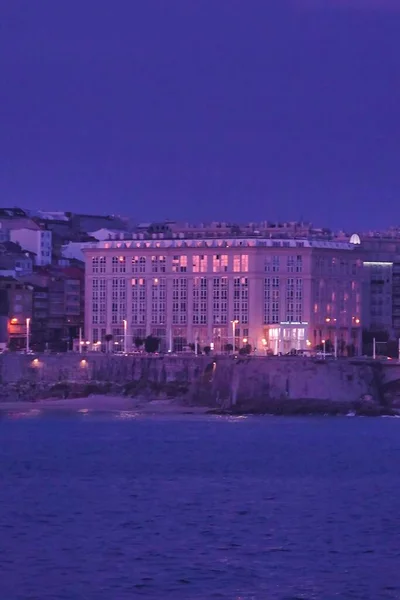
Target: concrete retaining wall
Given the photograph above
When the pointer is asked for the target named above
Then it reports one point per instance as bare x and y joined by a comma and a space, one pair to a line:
213, 381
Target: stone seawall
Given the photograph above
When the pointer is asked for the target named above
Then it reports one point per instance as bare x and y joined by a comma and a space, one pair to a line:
243, 384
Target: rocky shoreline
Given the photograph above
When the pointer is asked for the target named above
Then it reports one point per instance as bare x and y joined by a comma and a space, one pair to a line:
142, 405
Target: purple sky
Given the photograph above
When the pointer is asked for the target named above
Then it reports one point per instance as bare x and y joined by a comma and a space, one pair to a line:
203, 109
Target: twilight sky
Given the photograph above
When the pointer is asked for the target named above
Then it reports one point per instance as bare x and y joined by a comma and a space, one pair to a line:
203, 109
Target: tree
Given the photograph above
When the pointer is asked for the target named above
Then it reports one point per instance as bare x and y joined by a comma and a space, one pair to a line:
228, 348
151, 344
351, 350
329, 348
207, 350
108, 338
392, 349
138, 342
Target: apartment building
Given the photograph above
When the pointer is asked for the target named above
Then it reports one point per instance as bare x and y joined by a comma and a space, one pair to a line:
38, 241
381, 287
19, 304
271, 294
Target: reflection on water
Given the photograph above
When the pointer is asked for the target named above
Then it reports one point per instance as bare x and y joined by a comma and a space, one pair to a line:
121, 506
34, 412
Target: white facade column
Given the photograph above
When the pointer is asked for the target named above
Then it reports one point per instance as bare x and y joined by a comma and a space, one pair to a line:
148, 283
129, 309
210, 302
168, 319
108, 324
256, 300
189, 312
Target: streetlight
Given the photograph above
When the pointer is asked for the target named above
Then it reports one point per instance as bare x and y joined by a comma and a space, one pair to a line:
324, 349
234, 323
125, 335
28, 323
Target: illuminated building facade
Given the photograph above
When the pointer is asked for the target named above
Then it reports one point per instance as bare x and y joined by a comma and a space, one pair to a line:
275, 295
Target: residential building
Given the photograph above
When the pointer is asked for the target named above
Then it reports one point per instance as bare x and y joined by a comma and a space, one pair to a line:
38, 241
269, 293
4, 311
15, 218
85, 223
40, 332
19, 302
381, 283
58, 304
15, 260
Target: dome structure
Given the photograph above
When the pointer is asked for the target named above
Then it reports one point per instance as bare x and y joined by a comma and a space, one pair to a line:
355, 239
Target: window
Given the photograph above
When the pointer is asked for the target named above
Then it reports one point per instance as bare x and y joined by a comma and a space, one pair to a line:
158, 264
199, 293
179, 264
240, 263
200, 263
220, 263
95, 264
158, 315
240, 299
275, 264
290, 264
138, 264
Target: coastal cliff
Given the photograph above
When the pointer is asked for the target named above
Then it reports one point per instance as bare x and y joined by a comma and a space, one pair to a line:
286, 385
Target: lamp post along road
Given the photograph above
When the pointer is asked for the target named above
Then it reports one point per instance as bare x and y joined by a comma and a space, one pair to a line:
234, 323
125, 335
28, 330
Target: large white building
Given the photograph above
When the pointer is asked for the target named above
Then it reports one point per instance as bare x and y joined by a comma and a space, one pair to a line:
38, 241
276, 294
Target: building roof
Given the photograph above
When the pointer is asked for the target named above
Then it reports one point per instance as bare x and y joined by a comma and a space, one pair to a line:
12, 213
14, 248
217, 243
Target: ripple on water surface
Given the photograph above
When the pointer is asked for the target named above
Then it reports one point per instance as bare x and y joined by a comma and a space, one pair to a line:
115, 506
